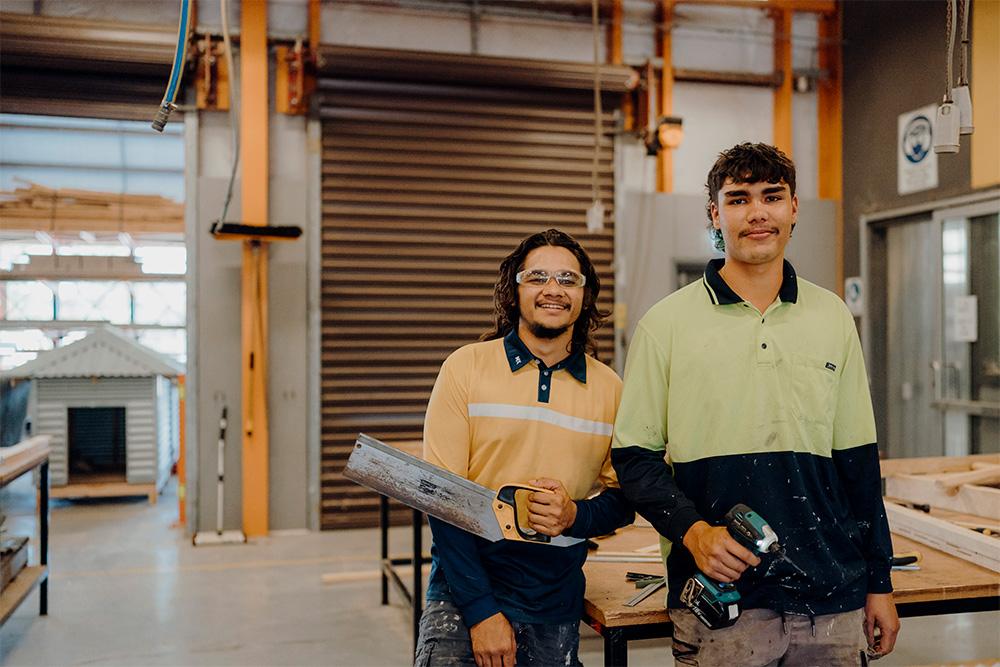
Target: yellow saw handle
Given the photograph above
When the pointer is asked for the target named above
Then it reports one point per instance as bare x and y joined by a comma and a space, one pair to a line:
511, 509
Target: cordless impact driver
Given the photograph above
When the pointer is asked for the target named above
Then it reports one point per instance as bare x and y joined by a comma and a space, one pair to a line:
717, 604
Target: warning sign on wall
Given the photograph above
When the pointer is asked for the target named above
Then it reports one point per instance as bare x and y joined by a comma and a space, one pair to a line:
917, 162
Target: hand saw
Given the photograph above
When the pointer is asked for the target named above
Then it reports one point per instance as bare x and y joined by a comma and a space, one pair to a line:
445, 495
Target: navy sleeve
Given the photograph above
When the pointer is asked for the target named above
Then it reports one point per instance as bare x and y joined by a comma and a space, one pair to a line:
858, 469
469, 582
652, 490
603, 514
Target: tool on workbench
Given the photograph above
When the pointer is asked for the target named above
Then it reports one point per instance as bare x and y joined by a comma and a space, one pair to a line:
906, 559
642, 580
494, 515
715, 603
649, 586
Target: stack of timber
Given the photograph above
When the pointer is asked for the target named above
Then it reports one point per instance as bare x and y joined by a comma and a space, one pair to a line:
63, 211
13, 558
948, 503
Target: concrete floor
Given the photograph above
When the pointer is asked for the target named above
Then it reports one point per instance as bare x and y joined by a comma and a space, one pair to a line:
127, 588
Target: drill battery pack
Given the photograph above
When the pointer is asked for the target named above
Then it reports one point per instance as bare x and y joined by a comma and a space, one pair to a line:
716, 604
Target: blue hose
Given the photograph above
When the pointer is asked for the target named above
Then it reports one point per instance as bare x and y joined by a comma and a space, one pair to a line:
167, 105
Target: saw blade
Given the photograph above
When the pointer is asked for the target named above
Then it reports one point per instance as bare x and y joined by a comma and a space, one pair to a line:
441, 493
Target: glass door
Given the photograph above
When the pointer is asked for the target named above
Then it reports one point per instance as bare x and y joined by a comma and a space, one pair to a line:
932, 330
912, 339
967, 372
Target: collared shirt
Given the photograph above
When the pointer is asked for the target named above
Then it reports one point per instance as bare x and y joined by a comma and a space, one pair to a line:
519, 356
789, 379
497, 416
771, 410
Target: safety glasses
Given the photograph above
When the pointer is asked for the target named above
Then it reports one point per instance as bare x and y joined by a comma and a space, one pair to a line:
540, 278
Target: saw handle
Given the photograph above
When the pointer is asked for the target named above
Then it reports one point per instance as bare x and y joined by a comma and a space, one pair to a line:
513, 518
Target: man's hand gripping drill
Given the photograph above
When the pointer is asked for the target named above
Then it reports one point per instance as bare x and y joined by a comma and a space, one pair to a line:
722, 553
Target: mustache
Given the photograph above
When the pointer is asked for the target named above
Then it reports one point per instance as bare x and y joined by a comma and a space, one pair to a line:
754, 230
552, 302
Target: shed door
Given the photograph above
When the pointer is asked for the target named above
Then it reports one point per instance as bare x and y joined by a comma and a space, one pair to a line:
426, 187
97, 452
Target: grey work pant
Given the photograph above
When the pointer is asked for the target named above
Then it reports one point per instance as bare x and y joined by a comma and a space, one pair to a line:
444, 640
763, 638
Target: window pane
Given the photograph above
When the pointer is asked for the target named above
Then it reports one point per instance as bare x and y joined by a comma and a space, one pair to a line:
28, 300
18, 346
169, 342
162, 259
160, 303
96, 300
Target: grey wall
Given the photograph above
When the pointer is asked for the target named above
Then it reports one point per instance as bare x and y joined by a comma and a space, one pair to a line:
893, 63
214, 295
657, 232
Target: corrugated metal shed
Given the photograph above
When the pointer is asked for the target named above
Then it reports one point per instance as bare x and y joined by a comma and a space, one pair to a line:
106, 352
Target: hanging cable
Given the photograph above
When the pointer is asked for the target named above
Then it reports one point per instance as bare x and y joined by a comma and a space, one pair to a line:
947, 121
233, 110
961, 94
963, 70
951, 50
173, 84
598, 111
595, 215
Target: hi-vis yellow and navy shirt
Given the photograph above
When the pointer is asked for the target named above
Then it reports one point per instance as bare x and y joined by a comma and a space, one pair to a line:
497, 415
723, 404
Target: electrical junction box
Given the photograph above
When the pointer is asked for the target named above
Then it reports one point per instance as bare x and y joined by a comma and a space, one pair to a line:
946, 128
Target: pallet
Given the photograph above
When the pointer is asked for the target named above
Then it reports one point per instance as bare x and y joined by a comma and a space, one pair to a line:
106, 490
937, 464
944, 535
940, 492
966, 484
960, 499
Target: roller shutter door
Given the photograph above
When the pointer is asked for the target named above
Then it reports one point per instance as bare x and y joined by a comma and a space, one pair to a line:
84, 68
427, 184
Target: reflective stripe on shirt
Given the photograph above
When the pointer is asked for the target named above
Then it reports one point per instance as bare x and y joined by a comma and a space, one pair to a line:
543, 415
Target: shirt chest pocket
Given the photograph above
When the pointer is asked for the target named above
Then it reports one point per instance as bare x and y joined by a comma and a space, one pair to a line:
814, 389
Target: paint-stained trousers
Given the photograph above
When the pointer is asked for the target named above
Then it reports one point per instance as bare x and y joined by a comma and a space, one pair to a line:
444, 641
763, 638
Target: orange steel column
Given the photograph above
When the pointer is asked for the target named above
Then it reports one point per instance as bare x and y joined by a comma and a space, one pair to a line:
253, 146
618, 58
254, 111
830, 127
181, 454
314, 24
615, 45
665, 158
783, 94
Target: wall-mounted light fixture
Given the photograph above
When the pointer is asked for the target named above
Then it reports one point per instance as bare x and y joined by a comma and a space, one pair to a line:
668, 133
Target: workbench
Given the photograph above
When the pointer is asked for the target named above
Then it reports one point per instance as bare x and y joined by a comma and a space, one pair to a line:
14, 462
389, 564
944, 584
